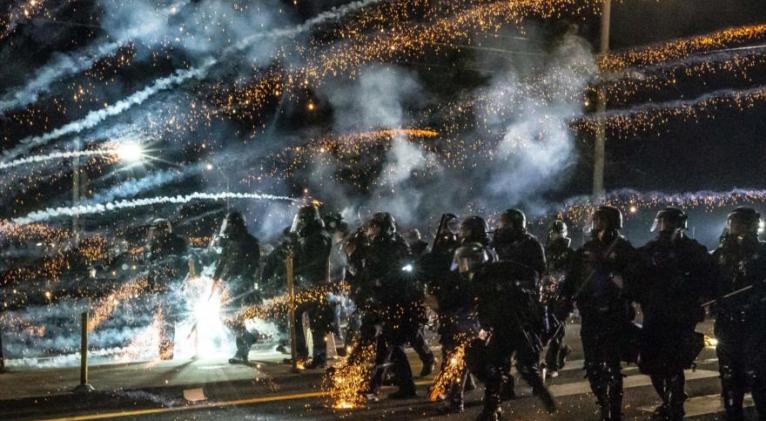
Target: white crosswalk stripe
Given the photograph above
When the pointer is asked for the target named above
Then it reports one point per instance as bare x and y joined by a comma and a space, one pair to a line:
633, 379
702, 405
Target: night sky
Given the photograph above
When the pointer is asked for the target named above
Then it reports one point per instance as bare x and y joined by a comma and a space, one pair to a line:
221, 132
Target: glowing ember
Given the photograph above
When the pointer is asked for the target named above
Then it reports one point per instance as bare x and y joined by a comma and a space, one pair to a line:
348, 380
450, 374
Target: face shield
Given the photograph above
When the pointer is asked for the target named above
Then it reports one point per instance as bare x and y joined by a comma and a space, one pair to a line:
737, 227
595, 224
467, 265
468, 259
298, 224
453, 226
465, 232
224, 231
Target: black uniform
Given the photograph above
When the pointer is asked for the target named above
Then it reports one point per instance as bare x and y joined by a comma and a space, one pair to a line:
559, 258
512, 243
166, 256
606, 312
740, 325
678, 272
507, 308
521, 247
419, 249
391, 306
236, 268
455, 303
312, 248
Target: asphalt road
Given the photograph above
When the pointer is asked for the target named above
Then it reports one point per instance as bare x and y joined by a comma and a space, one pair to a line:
299, 397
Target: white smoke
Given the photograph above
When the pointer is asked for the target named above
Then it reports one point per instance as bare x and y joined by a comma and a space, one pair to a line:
50, 213
60, 66
95, 117
153, 22
375, 100
382, 97
54, 156
518, 148
534, 103
134, 187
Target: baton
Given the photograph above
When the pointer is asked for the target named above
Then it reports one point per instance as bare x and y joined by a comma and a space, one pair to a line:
438, 231
729, 295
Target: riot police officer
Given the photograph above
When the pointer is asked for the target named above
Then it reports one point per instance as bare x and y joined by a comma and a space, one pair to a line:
395, 303
512, 241
741, 313
678, 272
236, 268
446, 239
474, 229
450, 296
559, 255
418, 248
311, 245
595, 283
165, 254
509, 313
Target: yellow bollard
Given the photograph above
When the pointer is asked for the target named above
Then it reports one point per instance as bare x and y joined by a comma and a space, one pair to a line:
84, 387
289, 271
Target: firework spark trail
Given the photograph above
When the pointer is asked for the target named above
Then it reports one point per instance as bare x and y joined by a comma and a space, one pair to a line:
133, 187
651, 117
277, 307
676, 49
450, 374
95, 117
21, 12
347, 380
404, 41
61, 66
107, 305
717, 56
69, 64
324, 17
50, 213
580, 208
734, 64
54, 156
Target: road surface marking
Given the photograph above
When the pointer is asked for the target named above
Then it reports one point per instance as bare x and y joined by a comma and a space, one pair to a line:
559, 390
212, 405
638, 380
702, 405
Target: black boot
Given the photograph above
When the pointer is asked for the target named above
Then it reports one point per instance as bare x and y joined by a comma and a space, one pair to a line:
405, 392
318, 361
531, 375
487, 415
508, 392
429, 364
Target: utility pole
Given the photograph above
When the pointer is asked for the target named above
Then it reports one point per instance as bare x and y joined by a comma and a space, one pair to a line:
599, 150
76, 195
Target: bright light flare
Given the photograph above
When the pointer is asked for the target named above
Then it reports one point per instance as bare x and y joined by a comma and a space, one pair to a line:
710, 342
130, 152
